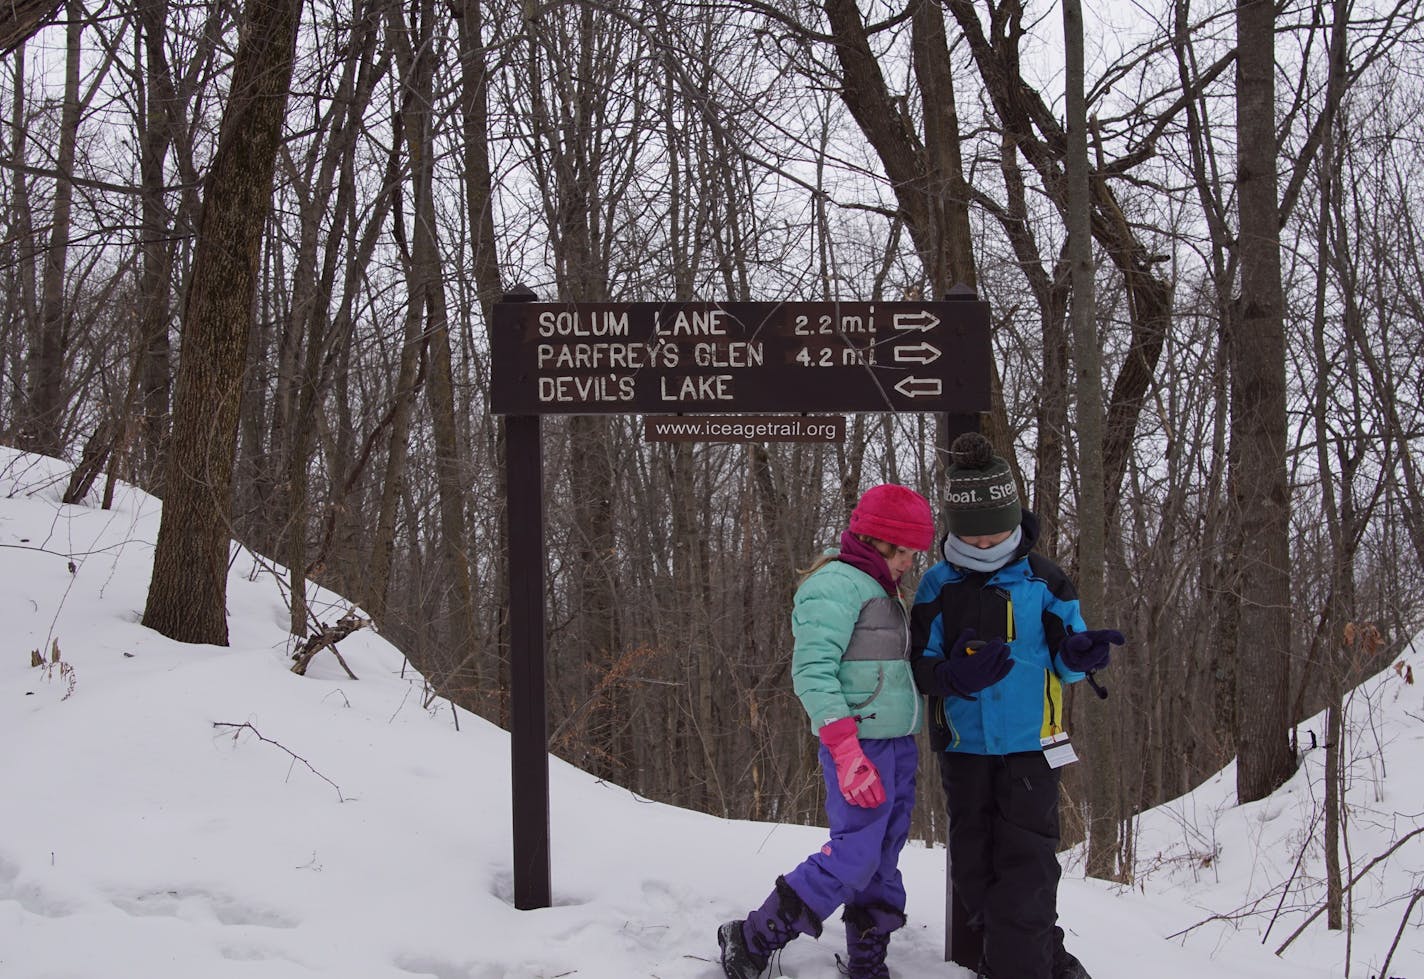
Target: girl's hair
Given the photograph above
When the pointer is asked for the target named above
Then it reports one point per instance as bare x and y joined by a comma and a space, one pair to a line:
824, 559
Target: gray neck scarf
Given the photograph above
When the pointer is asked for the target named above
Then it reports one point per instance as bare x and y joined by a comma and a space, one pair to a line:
982, 558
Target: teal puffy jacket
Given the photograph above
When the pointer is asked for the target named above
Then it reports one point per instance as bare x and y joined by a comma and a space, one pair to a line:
852, 654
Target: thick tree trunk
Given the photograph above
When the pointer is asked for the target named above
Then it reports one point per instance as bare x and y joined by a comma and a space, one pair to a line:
889, 129
1262, 494
952, 261
187, 597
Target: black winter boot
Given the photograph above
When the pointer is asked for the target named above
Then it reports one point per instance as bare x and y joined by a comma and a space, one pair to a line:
1068, 967
747, 944
1065, 963
1065, 966
737, 960
868, 929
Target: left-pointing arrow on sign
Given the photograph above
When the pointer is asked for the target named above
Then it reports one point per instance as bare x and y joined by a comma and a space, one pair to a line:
920, 387
917, 353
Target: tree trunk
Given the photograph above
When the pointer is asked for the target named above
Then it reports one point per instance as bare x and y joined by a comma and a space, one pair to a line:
575, 203
427, 288
1339, 518
169, 96
952, 263
1022, 111
187, 596
21, 288
489, 288
409, 379
155, 287
1262, 497
1104, 800
310, 322
43, 429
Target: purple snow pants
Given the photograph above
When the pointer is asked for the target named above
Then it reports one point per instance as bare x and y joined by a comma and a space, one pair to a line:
859, 865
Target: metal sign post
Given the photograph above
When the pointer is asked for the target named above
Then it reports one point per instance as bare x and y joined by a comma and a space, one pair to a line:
690, 359
528, 734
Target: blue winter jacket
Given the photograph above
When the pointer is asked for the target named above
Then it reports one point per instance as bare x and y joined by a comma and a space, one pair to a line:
1032, 605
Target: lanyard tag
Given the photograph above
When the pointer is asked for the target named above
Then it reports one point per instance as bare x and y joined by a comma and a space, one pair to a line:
1058, 750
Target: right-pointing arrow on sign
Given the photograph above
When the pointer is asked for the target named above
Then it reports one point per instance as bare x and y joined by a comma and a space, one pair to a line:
922, 320
920, 387
918, 353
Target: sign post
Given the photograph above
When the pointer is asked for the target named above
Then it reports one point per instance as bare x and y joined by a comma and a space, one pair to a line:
771, 359
528, 735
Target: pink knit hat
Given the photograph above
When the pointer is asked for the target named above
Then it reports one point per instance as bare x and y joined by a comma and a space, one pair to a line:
895, 514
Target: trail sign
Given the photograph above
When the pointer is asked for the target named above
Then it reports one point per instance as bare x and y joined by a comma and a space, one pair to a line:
685, 358
692, 358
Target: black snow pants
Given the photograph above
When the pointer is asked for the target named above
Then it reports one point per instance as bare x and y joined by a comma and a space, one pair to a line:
1003, 844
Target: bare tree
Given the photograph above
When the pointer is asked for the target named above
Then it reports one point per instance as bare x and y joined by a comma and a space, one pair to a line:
187, 596
45, 399
20, 289
1256, 343
489, 286
325, 184
1104, 800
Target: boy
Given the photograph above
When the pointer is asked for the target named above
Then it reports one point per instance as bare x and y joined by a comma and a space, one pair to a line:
993, 598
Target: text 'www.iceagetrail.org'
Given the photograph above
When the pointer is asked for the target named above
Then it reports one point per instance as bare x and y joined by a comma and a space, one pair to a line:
745, 428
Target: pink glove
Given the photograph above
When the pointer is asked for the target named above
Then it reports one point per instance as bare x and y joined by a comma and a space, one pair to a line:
855, 773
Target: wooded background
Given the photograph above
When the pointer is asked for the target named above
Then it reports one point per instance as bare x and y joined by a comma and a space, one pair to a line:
250, 249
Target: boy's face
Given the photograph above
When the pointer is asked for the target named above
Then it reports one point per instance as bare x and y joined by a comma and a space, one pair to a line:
983, 541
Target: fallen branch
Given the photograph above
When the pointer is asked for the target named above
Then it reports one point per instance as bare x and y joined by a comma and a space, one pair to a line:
1295, 871
1353, 881
239, 728
1403, 921
327, 638
1249, 910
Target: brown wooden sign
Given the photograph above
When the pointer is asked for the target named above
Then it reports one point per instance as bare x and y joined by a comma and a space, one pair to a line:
686, 358
704, 359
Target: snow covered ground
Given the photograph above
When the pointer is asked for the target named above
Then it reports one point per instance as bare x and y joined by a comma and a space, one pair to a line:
189, 812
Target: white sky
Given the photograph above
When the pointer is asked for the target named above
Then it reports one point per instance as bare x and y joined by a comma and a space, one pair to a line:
138, 840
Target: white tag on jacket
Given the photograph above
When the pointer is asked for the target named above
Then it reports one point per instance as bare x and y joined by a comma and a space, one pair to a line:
1058, 750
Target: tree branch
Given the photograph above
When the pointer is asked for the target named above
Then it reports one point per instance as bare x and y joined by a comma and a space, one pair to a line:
239, 728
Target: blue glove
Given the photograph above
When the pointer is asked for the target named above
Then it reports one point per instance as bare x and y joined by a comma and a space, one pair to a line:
1084, 652
970, 665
